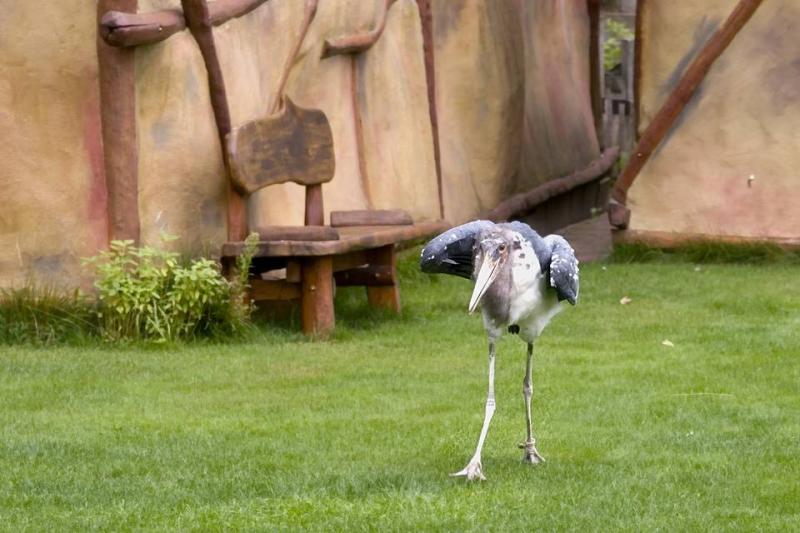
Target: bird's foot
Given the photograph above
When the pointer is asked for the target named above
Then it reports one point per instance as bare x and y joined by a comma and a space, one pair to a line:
472, 471
531, 455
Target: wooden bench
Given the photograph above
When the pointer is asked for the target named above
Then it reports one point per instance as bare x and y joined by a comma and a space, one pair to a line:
306, 262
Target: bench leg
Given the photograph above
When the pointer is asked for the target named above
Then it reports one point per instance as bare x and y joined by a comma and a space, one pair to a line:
317, 296
388, 296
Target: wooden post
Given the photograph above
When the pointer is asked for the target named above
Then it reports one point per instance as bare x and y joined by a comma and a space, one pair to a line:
118, 117
199, 23
618, 213
315, 209
317, 296
595, 69
426, 20
385, 296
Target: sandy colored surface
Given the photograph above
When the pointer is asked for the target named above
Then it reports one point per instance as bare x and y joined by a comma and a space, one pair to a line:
744, 120
512, 95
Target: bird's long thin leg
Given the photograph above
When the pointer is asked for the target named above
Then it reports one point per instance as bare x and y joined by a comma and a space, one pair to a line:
531, 454
473, 470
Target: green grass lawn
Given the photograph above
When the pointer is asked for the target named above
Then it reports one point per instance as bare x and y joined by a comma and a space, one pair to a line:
360, 433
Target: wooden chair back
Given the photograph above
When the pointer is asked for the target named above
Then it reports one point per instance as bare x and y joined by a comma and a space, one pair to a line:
295, 145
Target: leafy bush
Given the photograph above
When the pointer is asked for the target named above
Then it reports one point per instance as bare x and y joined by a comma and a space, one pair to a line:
149, 293
44, 315
616, 32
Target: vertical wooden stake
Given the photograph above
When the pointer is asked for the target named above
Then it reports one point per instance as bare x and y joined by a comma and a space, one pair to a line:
118, 117
385, 297
426, 20
315, 209
595, 66
317, 296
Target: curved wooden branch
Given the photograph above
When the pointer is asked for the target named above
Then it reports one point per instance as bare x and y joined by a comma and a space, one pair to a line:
308, 16
618, 213
198, 18
135, 29
353, 44
526, 201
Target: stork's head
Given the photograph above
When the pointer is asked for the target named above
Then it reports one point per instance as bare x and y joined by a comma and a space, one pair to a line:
491, 256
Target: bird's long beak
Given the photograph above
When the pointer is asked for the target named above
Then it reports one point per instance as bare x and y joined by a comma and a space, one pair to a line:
486, 276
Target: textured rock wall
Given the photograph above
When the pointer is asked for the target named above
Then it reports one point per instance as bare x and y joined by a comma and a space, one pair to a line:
512, 96
52, 186
743, 120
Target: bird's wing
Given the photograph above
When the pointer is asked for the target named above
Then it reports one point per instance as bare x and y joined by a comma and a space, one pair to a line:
452, 251
540, 247
563, 268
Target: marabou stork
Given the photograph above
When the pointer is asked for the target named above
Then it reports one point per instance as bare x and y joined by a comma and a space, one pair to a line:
521, 282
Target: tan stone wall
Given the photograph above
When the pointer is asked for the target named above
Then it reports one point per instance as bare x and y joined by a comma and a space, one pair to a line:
513, 97
744, 119
512, 94
52, 191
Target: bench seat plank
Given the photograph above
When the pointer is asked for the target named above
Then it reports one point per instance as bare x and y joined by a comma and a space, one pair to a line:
350, 239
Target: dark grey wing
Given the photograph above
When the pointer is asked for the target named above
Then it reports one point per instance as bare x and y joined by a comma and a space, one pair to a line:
452, 251
563, 268
540, 247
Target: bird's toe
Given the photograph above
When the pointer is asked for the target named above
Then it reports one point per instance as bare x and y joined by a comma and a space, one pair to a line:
472, 472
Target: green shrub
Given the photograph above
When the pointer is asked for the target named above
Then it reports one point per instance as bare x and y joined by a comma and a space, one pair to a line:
149, 293
45, 315
616, 32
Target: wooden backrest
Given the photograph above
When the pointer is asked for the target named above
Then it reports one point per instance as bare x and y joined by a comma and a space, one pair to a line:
296, 145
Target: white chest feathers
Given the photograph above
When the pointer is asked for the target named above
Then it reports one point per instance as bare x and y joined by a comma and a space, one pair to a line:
533, 303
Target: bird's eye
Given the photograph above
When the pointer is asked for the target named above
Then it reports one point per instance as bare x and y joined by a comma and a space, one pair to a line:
502, 247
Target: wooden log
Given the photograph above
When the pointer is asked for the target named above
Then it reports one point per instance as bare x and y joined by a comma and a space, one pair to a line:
121, 29
595, 65
317, 313
676, 102
133, 29
297, 233
350, 260
315, 209
221, 11
385, 297
369, 276
525, 202
371, 217
118, 117
354, 44
199, 23
261, 290
428, 50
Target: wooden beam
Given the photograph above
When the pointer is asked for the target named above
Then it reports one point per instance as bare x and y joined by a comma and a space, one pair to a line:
525, 202
121, 29
366, 276
428, 49
674, 105
360, 42
639, 38
595, 65
297, 233
118, 117
273, 290
199, 23
133, 29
